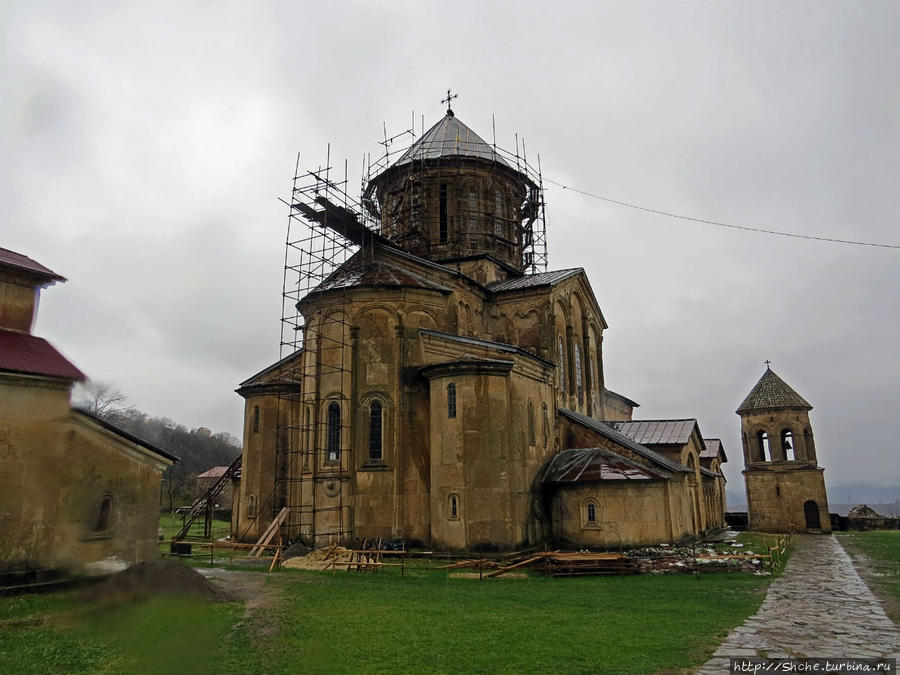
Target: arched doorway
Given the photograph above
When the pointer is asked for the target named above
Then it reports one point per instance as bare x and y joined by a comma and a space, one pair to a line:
811, 512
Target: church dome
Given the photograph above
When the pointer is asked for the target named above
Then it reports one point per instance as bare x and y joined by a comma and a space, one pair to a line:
451, 196
450, 138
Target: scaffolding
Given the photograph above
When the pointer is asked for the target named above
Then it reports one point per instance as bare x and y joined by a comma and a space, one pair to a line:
326, 227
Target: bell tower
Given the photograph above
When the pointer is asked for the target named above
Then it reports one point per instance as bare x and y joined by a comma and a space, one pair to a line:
784, 482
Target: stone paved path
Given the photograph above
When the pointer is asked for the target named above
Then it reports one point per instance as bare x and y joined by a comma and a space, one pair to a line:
819, 607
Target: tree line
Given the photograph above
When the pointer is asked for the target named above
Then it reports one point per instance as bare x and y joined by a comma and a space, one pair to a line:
199, 449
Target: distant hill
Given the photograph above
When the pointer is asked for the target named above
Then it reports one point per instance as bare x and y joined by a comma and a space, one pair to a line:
841, 498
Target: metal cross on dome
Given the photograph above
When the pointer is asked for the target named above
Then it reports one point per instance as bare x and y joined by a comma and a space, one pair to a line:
767, 363
449, 98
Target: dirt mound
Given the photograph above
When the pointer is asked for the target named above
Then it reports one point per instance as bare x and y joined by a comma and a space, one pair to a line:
320, 559
155, 578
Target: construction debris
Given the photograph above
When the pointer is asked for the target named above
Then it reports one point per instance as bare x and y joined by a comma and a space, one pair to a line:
321, 559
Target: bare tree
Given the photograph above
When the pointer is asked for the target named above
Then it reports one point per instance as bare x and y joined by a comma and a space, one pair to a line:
103, 399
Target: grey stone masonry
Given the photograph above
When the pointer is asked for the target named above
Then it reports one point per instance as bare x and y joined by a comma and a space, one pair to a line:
818, 608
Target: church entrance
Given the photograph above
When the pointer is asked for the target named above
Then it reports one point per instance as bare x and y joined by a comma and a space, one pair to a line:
811, 511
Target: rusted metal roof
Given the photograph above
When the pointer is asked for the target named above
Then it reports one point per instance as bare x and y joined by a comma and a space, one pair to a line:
772, 393
607, 431
360, 271
596, 464
533, 280
24, 353
215, 472
657, 432
450, 138
713, 446
23, 262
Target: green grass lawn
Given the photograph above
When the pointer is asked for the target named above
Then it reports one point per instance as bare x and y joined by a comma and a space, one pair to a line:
882, 551
431, 623
423, 622
163, 634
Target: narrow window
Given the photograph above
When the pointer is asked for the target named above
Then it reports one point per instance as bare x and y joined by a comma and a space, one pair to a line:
561, 364
591, 513
579, 378
531, 433
454, 507
307, 432
595, 405
443, 212
375, 426
255, 419
498, 214
251, 506
451, 400
103, 514
545, 423
472, 215
414, 209
787, 443
333, 434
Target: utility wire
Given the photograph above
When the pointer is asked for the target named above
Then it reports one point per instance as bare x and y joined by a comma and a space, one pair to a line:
716, 223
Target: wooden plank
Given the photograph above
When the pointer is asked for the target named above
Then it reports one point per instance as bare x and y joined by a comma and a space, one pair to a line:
504, 570
269, 534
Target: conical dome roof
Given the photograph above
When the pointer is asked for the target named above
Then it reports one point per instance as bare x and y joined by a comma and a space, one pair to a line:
450, 138
772, 393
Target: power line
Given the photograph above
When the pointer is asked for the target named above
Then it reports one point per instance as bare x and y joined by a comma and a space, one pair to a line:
717, 223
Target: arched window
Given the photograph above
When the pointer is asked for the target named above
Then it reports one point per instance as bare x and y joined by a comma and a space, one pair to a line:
103, 514
255, 419
442, 210
545, 424
375, 429
454, 507
579, 379
531, 433
333, 433
764, 454
561, 363
590, 514
451, 400
787, 443
595, 403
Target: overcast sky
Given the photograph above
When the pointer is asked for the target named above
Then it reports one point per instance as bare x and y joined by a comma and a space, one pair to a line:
143, 149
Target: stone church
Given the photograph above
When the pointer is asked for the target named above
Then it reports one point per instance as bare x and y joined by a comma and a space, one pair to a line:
444, 391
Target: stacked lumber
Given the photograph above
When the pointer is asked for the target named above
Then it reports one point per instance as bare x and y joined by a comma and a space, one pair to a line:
558, 564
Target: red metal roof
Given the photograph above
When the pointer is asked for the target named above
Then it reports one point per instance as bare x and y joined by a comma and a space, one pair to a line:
23, 262
24, 353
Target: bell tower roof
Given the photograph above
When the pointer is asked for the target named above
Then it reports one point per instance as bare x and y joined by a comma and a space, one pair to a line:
772, 393
449, 137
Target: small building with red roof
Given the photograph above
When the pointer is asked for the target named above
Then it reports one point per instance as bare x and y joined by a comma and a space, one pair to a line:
79, 494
